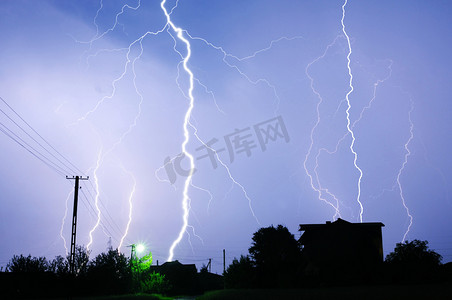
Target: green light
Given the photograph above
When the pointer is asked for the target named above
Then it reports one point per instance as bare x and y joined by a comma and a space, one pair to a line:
140, 248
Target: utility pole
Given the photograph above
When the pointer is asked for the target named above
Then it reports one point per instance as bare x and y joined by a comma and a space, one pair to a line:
74, 221
132, 251
209, 266
224, 261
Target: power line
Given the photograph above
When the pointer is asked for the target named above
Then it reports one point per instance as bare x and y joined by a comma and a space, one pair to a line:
31, 152
42, 138
60, 165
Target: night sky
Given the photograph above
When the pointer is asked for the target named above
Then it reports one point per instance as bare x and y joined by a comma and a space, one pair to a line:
294, 112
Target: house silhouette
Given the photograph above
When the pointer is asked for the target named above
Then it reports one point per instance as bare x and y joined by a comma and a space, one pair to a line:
342, 250
183, 278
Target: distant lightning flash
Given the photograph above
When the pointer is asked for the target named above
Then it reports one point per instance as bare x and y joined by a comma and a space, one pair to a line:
315, 184
407, 154
64, 220
130, 63
96, 202
130, 210
350, 130
243, 74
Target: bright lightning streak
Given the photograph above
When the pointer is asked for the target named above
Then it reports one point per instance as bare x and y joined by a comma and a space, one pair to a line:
255, 82
350, 130
185, 200
407, 154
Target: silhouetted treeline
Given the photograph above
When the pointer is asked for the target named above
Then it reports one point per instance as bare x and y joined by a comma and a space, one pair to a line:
108, 273
413, 262
276, 260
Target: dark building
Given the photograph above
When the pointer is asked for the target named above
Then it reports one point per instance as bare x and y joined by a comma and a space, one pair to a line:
183, 278
342, 250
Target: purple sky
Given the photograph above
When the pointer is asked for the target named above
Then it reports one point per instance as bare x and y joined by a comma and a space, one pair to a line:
104, 84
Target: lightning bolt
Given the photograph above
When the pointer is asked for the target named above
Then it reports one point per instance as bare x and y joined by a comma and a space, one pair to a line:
399, 174
350, 130
185, 200
188, 182
234, 181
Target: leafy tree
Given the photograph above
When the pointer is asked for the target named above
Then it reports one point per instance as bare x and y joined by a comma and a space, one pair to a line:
59, 265
154, 282
144, 280
414, 252
110, 272
142, 264
112, 264
276, 255
241, 273
27, 264
413, 261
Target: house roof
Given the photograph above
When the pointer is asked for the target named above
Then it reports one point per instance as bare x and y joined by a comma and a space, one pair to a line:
338, 222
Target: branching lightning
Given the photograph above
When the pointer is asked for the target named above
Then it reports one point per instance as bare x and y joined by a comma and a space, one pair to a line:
130, 63
315, 182
181, 35
243, 74
184, 62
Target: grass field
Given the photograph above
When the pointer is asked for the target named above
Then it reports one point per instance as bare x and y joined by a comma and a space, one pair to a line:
426, 291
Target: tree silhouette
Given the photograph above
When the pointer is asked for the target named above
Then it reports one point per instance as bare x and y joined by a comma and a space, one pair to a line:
413, 261
59, 265
240, 274
23, 264
276, 255
110, 272
414, 252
